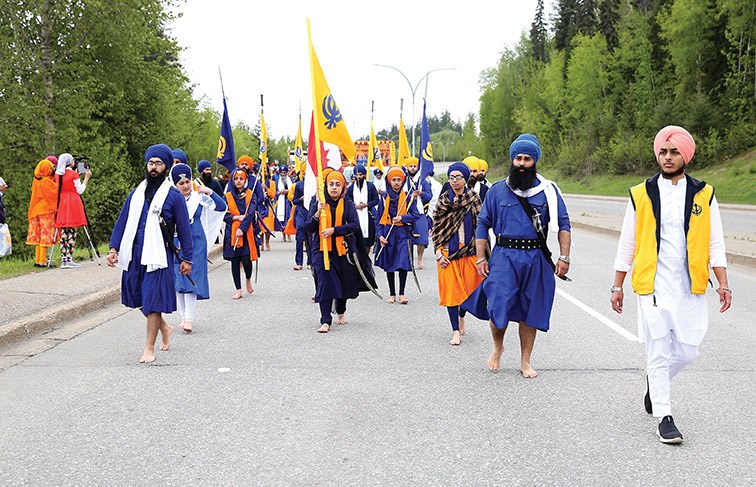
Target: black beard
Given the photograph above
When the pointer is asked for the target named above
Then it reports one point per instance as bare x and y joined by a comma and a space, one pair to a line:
359, 182
155, 180
207, 178
481, 177
670, 175
522, 180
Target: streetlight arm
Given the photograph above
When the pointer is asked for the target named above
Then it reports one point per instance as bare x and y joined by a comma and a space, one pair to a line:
403, 76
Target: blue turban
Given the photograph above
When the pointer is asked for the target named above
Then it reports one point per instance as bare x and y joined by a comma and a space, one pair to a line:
461, 167
360, 169
377, 171
161, 151
180, 172
202, 165
256, 167
283, 168
180, 155
525, 144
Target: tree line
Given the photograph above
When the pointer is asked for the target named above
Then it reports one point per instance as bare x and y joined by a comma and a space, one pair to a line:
597, 85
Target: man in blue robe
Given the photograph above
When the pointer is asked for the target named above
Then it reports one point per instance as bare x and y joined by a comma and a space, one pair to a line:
153, 210
518, 281
422, 197
365, 198
300, 220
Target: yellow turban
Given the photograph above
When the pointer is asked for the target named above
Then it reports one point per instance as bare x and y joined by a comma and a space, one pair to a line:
410, 161
483, 165
472, 162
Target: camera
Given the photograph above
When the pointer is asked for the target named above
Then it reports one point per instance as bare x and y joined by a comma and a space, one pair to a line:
82, 163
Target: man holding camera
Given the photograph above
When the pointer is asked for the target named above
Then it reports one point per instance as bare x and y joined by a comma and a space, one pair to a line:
71, 213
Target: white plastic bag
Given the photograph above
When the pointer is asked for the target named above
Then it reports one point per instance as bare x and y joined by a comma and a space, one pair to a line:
5, 240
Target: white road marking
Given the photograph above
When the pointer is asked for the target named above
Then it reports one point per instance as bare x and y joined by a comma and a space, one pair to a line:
614, 326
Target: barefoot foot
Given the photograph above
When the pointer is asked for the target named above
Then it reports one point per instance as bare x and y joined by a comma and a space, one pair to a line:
528, 372
165, 332
494, 360
462, 328
391, 300
238, 295
455, 340
403, 300
250, 289
187, 326
148, 357
324, 328
340, 320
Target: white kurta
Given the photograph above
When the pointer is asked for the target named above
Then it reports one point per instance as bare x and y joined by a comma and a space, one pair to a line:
283, 184
672, 307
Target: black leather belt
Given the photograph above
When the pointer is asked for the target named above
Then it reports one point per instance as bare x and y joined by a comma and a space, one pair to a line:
517, 243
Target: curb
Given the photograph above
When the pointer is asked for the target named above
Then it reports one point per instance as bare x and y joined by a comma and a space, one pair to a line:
48, 320
732, 257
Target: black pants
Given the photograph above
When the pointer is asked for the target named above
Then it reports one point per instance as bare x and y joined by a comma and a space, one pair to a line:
402, 282
326, 307
236, 273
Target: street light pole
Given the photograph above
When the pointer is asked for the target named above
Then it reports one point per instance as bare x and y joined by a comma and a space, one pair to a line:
413, 90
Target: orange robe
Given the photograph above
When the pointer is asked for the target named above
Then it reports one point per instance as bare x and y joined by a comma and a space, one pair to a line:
270, 192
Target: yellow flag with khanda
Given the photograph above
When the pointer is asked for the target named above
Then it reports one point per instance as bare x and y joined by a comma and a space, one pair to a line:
404, 150
375, 160
330, 123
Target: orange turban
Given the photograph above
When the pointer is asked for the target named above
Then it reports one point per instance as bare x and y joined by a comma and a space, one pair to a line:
679, 137
335, 175
410, 161
245, 158
394, 171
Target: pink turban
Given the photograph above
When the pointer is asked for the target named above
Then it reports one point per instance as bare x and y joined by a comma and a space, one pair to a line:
679, 137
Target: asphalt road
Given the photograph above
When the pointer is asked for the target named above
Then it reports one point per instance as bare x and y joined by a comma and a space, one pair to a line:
256, 397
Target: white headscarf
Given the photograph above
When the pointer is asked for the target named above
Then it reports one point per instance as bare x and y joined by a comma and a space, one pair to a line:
63, 161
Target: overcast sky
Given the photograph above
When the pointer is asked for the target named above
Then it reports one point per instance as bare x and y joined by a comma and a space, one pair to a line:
261, 48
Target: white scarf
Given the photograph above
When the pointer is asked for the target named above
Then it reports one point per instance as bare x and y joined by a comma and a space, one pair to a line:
418, 185
550, 188
283, 183
210, 219
153, 247
361, 196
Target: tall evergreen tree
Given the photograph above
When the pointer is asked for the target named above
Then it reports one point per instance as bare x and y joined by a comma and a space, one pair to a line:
538, 34
565, 23
608, 19
585, 17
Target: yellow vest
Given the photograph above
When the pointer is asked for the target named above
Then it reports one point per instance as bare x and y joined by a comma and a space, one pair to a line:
645, 198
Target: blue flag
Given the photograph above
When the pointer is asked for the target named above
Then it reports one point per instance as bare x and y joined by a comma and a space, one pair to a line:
425, 157
226, 143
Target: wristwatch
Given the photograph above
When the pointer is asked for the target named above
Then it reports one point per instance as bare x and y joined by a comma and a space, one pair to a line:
616, 289
565, 258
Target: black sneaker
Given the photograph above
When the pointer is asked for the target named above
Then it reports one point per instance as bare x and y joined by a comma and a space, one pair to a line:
668, 432
647, 398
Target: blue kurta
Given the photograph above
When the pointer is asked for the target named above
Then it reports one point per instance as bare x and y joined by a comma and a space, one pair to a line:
395, 255
199, 272
229, 252
521, 283
421, 225
155, 291
343, 280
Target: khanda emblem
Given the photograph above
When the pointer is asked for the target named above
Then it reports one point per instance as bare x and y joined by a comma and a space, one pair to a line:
221, 147
263, 147
697, 209
428, 152
298, 153
331, 112
376, 154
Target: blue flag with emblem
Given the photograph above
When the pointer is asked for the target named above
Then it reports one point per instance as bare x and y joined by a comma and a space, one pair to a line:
226, 156
425, 157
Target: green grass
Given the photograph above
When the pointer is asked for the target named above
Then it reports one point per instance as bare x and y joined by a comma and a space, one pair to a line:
13, 266
734, 180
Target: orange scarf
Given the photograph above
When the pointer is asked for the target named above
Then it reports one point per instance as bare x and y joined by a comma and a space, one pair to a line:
250, 235
44, 194
327, 222
401, 208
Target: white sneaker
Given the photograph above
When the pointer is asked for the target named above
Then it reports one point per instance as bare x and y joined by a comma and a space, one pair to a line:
73, 264
65, 265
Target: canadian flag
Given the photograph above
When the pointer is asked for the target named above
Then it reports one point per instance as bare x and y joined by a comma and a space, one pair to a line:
330, 157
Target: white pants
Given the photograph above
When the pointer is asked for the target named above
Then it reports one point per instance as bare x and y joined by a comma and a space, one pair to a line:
186, 302
665, 357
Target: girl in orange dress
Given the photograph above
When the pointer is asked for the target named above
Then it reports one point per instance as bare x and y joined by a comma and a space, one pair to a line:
453, 234
44, 199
